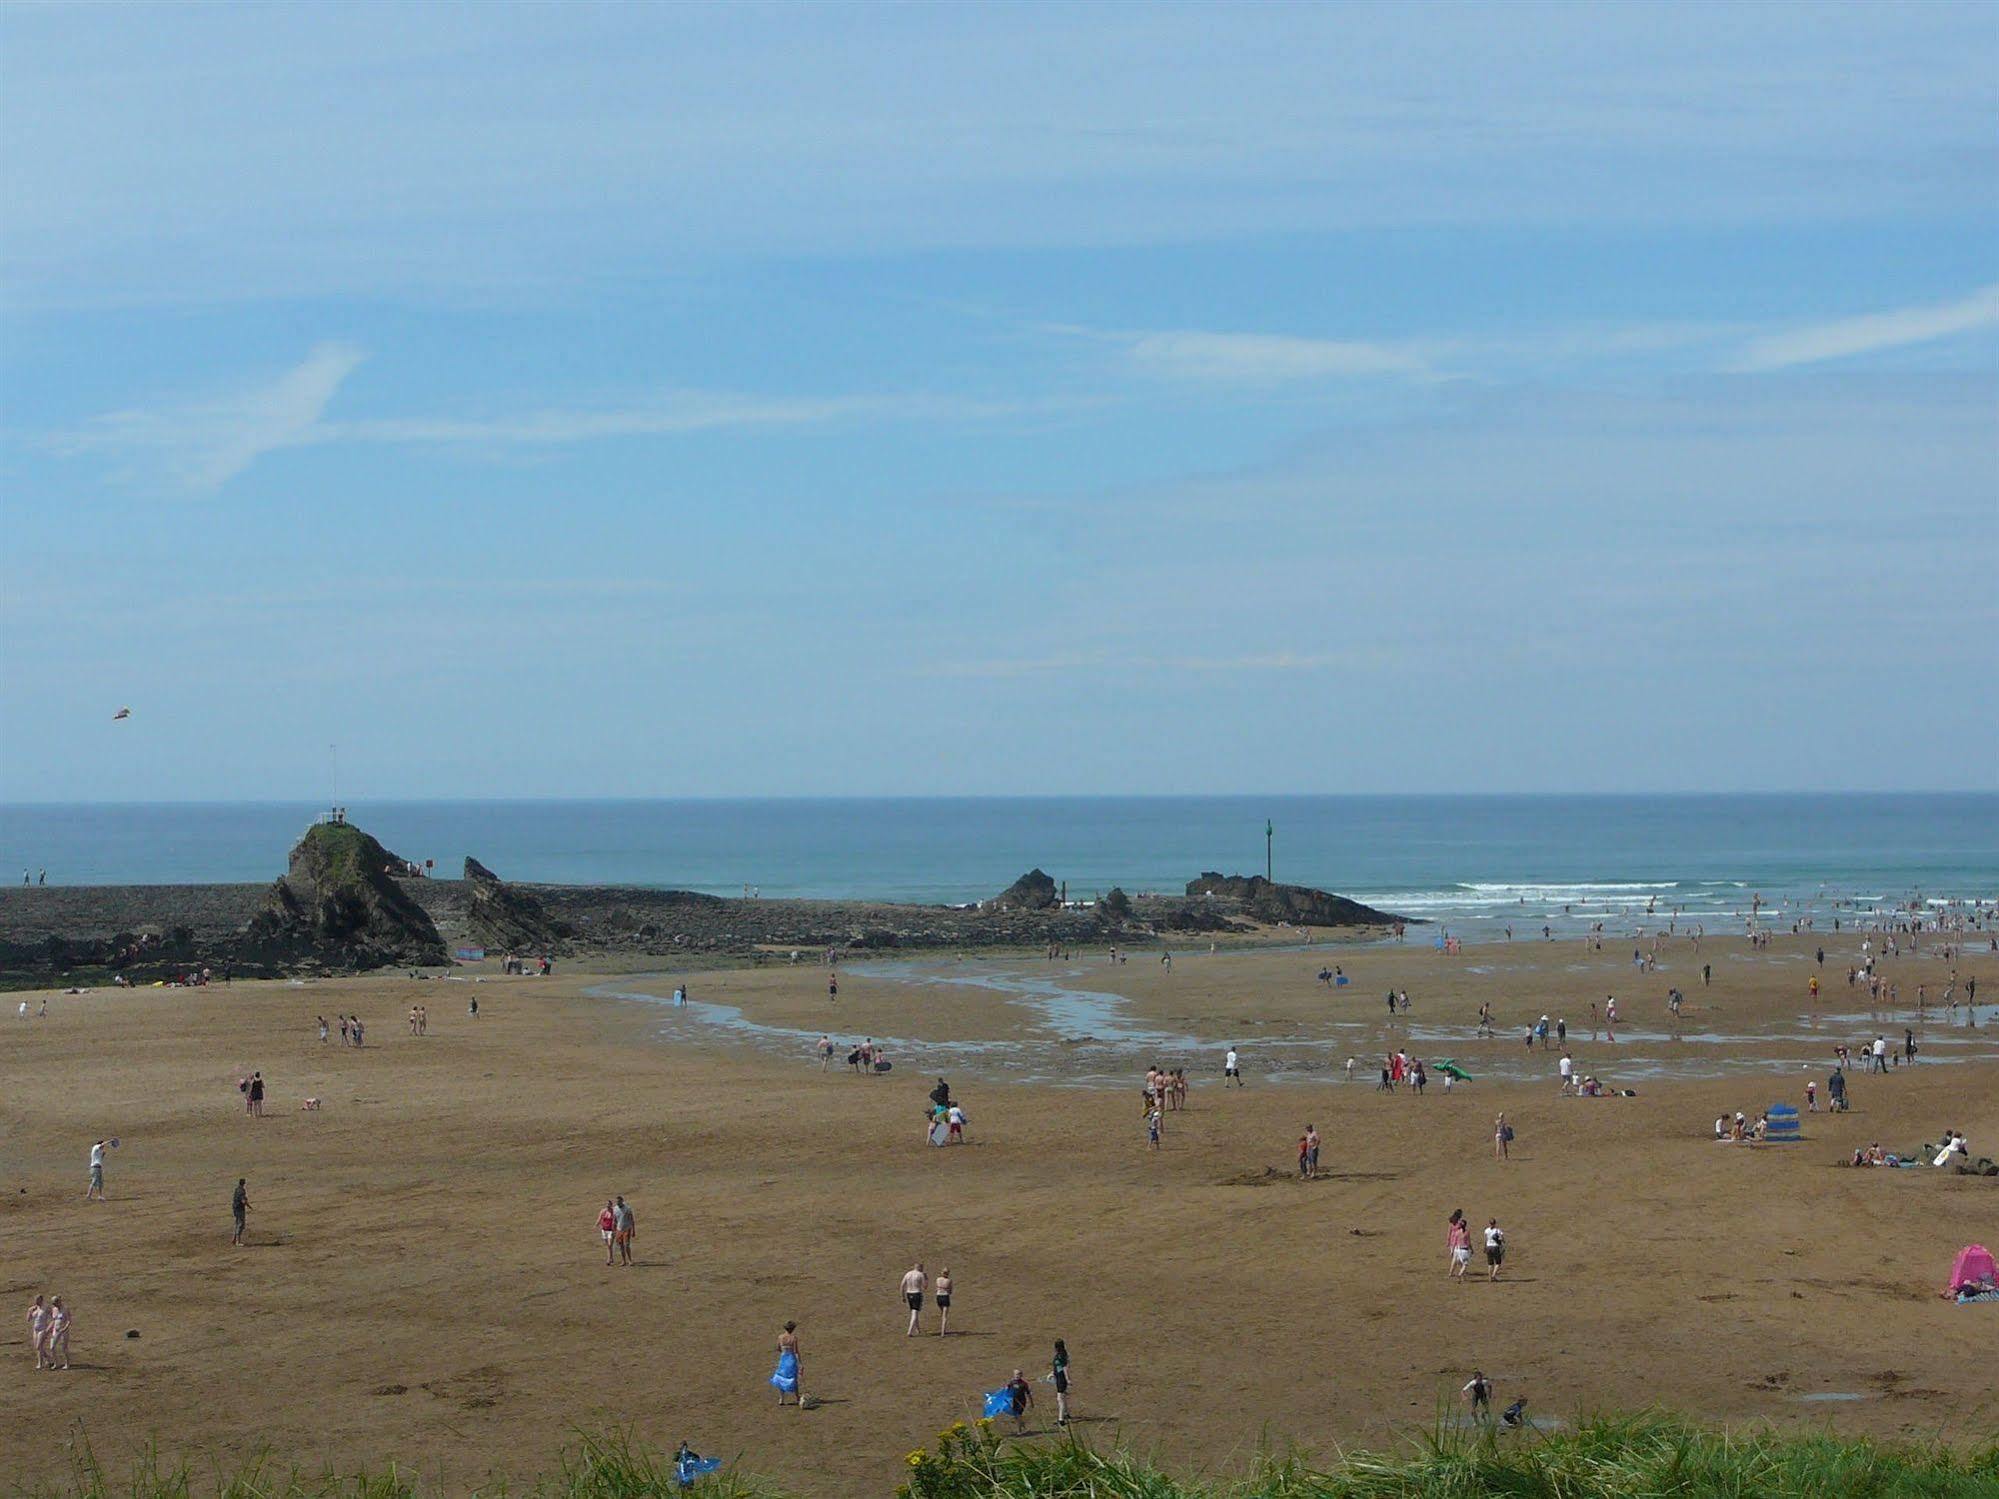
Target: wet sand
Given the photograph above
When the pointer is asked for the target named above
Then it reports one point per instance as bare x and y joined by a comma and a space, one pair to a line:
424, 1278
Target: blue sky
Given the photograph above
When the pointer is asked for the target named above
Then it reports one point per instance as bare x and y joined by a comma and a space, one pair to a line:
922, 399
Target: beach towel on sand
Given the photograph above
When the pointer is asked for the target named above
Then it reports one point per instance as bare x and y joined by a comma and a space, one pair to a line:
785, 1379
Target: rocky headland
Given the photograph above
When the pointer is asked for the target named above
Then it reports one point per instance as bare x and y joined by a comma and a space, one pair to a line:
347, 904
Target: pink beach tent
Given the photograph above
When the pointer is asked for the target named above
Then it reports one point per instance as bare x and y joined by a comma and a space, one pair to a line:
1973, 1265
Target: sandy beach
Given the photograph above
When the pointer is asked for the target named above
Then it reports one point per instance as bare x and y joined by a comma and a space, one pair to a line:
424, 1279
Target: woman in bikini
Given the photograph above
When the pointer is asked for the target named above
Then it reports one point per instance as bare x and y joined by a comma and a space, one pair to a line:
38, 1330
59, 1320
943, 1290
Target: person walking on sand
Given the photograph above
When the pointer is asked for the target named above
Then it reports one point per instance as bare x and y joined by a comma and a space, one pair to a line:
38, 1330
1152, 1129
1495, 1247
1502, 1137
239, 1207
624, 1226
789, 1377
607, 1228
914, 1284
1232, 1068
942, 1288
1058, 1375
257, 1094
1311, 1161
58, 1339
322, 1030
1457, 1239
825, 1051
343, 1029
1020, 1399
96, 1187
1478, 1390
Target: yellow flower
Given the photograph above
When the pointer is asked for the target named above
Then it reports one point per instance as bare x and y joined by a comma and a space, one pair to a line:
915, 1459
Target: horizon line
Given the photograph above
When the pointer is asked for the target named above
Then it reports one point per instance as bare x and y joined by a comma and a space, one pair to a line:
1014, 796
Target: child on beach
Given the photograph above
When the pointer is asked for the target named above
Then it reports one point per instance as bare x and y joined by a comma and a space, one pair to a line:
1479, 1392
1020, 1399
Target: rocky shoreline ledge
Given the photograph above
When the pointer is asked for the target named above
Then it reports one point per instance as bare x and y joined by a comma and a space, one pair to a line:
345, 905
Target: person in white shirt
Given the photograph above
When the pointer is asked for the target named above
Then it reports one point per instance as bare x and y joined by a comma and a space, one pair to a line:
1495, 1247
1232, 1068
1568, 1069
96, 1188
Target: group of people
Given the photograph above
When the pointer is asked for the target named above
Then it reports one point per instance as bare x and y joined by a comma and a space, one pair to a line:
352, 1031
617, 1225
1015, 1398
48, 1332
915, 1284
944, 1121
1458, 1241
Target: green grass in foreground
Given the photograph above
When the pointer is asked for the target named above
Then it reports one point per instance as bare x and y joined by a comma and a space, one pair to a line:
1650, 1456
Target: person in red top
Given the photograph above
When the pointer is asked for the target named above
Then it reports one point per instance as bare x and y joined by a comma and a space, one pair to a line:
607, 1224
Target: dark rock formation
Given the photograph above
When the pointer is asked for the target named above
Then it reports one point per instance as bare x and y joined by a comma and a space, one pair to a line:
1116, 905
505, 918
1266, 901
339, 905
1033, 891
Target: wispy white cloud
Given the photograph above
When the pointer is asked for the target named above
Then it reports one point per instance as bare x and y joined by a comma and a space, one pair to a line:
660, 415
1035, 666
1873, 333
1268, 358
202, 445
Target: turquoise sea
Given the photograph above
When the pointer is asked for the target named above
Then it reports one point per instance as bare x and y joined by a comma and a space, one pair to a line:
1476, 862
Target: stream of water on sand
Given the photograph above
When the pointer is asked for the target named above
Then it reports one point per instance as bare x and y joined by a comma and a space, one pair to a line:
1087, 1037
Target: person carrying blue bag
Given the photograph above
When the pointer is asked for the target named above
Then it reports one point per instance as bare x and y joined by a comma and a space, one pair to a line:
1011, 1399
689, 1465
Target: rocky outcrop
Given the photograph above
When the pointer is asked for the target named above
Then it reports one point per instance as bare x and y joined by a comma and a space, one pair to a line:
1300, 905
1033, 891
1116, 905
506, 918
339, 905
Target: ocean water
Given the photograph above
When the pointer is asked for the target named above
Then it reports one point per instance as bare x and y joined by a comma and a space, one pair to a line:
1473, 862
